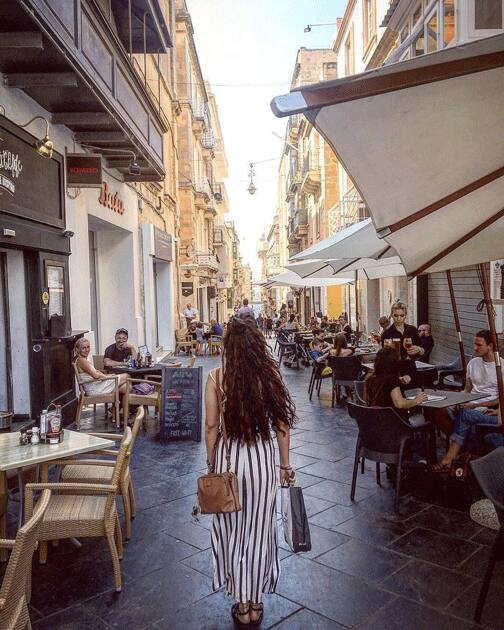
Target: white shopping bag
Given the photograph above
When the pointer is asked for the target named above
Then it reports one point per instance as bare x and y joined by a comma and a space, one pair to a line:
295, 519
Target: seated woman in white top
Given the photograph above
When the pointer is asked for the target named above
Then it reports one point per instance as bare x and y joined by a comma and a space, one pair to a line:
93, 380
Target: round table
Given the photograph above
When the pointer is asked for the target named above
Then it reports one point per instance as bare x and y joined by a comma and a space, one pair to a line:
155, 368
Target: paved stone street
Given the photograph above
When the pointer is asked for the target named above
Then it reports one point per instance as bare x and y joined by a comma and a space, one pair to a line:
368, 567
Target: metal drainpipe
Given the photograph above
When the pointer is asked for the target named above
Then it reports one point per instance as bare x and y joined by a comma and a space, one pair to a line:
146, 13
159, 79
130, 31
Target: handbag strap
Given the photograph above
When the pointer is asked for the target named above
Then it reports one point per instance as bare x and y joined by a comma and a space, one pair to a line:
221, 402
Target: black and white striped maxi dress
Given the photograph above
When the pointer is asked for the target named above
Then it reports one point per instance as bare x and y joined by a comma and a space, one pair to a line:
244, 544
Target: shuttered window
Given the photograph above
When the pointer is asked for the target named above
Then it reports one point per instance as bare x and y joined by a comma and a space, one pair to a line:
467, 293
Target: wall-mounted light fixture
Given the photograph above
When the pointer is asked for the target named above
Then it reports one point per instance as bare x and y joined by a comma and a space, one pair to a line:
44, 146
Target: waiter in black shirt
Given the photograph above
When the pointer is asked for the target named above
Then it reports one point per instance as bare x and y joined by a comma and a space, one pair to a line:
399, 330
119, 352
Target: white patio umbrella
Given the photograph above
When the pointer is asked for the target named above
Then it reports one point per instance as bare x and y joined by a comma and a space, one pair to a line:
423, 140
292, 279
356, 268
355, 241
366, 268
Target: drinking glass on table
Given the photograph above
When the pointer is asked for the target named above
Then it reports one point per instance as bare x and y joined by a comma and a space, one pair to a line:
407, 343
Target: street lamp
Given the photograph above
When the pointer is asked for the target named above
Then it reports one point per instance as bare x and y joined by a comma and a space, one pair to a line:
309, 27
252, 188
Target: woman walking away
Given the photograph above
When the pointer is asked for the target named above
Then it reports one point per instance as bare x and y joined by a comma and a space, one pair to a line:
256, 405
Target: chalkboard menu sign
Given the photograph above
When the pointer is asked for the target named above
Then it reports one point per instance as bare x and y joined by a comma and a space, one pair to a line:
181, 409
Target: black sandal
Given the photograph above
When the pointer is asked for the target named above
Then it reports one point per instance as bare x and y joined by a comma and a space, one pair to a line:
256, 608
236, 614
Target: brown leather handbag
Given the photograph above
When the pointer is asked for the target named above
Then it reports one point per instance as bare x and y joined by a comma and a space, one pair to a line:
218, 492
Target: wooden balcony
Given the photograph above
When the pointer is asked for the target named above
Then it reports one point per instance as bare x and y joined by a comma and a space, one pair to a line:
70, 57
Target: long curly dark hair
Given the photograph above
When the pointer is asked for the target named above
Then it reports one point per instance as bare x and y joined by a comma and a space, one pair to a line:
256, 397
386, 366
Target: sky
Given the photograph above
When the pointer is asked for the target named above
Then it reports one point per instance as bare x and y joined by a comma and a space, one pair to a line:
247, 50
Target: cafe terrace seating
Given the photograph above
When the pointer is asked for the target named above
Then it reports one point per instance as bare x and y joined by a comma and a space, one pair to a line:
146, 400
183, 340
83, 509
16, 586
383, 438
97, 399
100, 471
345, 370
489, 472
317, 377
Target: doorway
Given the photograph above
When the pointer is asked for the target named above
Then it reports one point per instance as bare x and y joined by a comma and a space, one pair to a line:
6, 399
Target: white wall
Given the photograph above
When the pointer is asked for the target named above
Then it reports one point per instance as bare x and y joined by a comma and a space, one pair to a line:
165, 295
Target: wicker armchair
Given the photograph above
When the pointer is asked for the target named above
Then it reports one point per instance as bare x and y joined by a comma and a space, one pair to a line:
100, 471
146, 400
88, 399
184, 340
83, 510
215, 344
16, 585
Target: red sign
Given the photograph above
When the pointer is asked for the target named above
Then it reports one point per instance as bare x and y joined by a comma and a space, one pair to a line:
109, 200
84, 170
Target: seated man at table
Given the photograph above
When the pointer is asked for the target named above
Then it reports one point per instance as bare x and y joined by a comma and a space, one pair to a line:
319, 351
481, 378
119, 352
426, 341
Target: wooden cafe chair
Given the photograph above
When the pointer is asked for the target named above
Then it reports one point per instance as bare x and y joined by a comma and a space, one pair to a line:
84, 510
16, 586
100, 471
97, 399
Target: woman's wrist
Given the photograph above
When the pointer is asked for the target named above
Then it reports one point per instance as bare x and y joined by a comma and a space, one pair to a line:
287, 467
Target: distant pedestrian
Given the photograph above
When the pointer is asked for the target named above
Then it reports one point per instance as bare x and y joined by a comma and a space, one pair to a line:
257, 404
189, 314
246, 310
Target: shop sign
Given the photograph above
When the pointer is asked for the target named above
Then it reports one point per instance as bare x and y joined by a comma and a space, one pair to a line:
83, 170
187, 288
11, 163
109, 200
31, 186
163, 245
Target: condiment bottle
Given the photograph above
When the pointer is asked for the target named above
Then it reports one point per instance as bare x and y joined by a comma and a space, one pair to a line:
43, 423
23, 438
139, 360
35, 438
148, 359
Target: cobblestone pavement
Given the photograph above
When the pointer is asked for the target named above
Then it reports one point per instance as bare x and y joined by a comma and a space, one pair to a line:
368, 568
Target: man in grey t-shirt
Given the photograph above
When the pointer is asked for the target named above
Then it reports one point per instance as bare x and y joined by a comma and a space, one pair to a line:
245, 311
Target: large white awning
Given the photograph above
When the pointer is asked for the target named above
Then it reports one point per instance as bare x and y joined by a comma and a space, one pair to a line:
423, 141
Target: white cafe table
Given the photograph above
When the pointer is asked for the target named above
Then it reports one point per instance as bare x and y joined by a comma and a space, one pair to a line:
13, 456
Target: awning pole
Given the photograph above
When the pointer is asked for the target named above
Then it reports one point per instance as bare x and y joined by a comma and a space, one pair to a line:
491, 324
457, 320
349, 303
356, 303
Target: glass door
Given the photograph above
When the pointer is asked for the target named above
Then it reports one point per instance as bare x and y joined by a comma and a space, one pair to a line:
93, 287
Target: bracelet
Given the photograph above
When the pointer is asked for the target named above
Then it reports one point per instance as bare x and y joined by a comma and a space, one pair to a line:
285, 467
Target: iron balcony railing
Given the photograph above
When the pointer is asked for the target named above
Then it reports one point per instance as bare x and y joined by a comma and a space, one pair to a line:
349, 210
208, 139
206, 258
310, 163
